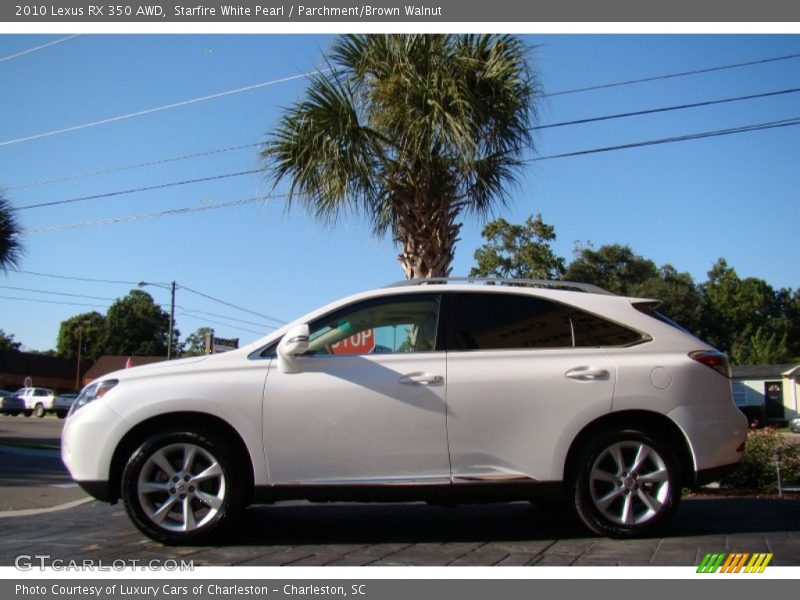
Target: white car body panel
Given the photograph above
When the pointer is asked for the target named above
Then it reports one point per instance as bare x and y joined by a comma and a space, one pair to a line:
351, 420
511, 411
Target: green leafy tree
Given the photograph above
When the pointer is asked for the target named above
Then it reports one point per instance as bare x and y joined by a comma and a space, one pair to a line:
137, 326
86, 328
518, 251
10, 243
7, 343
680, 298
739, 312
195, 343
409, 132
760, 347
614, 267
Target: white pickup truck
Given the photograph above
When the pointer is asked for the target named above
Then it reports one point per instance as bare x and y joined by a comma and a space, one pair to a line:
37, 400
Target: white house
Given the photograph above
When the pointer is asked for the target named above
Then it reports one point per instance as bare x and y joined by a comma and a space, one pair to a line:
767, 393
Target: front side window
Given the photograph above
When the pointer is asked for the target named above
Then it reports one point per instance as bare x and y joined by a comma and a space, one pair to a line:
392, 325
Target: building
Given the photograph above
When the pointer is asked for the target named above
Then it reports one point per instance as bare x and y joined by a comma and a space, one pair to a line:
40, 370
767, 393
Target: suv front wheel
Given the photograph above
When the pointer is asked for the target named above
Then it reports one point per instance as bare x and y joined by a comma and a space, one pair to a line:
182, 487
627, 483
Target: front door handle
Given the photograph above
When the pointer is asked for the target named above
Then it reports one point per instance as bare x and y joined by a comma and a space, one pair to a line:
421, 379
587, 374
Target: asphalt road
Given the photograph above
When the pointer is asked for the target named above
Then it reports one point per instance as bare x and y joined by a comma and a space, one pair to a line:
301, 533
32, 475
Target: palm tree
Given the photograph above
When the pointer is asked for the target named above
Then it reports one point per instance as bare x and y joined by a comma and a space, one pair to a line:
409, 132
10, 244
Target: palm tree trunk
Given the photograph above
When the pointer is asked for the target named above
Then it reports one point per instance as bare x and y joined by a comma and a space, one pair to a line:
427, 236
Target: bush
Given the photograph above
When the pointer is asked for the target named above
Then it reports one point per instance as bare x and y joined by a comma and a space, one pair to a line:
757, 469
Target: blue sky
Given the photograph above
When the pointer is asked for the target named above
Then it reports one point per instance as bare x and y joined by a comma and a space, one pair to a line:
685, 204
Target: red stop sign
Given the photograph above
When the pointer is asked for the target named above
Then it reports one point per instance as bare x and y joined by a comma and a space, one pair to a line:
362, 342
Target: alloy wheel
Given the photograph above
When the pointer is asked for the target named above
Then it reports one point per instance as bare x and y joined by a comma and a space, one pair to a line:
181, 487
629, 483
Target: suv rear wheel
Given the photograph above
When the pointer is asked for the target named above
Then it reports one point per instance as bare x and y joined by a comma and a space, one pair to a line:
182, 487
627, 483
38, 410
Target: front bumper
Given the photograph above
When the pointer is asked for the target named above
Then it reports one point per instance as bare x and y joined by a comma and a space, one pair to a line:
101, 490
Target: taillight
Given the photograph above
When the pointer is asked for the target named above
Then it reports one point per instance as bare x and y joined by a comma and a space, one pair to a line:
714, 359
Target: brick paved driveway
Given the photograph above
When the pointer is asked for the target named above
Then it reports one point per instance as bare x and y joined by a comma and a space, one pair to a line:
416, 534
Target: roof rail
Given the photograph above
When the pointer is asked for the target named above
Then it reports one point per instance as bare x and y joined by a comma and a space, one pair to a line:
543, 283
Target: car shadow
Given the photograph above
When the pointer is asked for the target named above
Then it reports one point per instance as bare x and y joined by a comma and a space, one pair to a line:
312, 524
340, 523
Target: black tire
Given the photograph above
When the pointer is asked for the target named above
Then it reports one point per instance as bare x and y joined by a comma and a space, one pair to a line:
61, 414
38, 410
27, 413
610, 498
227, 490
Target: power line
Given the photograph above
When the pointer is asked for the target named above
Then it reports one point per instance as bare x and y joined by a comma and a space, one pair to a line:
547, 126
144, 216
679, 138
135, 166
52, 293
135, 190
666, 109
74, 278
205, 312
40, 300
85, 305
160, 108
37, 48
252, 312
254, 144
672, 75
186, 210
237, 327
560, 93
180, 286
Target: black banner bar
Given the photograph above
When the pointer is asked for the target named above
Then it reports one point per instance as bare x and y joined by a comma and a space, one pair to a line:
420, 11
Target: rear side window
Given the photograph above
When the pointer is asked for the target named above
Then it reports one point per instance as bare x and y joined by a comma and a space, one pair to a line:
591, 330
488, 321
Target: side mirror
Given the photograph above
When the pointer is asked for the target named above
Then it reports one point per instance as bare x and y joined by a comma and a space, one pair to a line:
294, 343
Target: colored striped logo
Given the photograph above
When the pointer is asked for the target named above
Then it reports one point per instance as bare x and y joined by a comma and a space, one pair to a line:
734, 562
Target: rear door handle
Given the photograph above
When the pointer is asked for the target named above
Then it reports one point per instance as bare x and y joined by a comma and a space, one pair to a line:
587, 374
421, 379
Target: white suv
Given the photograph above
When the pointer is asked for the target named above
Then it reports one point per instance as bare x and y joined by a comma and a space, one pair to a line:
37, 400
452, 391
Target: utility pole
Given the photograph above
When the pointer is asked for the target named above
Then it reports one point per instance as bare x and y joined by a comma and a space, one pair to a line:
171, 323
78, 369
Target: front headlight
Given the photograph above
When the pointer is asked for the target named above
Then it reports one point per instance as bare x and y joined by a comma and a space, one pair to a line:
93, 391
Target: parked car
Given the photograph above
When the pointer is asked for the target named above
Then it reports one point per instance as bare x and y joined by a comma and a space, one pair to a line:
794, 425
37, 401
511, 391
10, 404
63, 403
